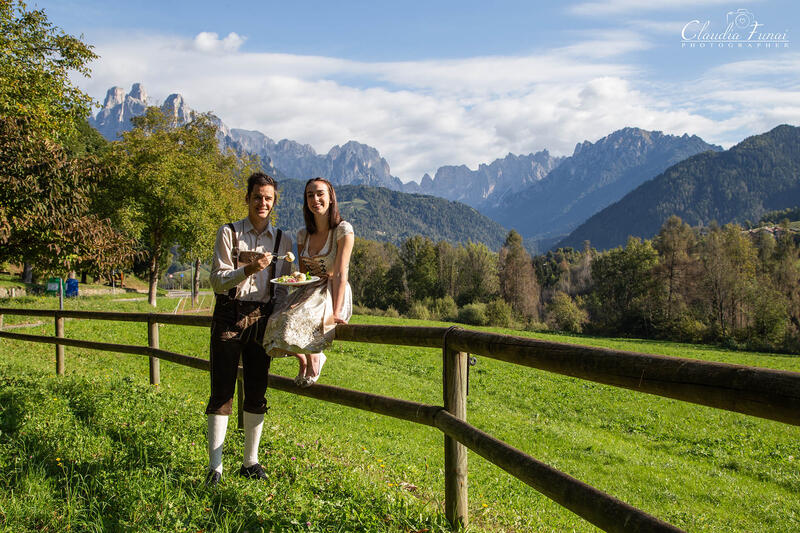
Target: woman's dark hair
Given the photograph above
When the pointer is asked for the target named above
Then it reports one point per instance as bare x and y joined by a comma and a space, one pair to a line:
259, 179
333, 209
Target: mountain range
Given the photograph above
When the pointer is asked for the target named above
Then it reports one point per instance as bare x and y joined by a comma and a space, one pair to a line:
595, 176
760, 174
541, 196
491, 184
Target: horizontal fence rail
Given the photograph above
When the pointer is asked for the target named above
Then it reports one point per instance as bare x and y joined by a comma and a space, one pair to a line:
760, 392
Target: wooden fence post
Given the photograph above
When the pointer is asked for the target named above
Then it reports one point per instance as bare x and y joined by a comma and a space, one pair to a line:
152, 341
59, 347
455, 454
240, 403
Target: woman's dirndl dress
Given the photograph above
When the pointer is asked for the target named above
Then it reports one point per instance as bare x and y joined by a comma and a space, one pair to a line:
304, 323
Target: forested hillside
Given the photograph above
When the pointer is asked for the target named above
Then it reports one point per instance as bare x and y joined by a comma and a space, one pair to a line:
760, 174
384, 215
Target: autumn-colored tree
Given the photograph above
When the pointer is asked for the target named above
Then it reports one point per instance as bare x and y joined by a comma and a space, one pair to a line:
728, 260
518, 285
677, 266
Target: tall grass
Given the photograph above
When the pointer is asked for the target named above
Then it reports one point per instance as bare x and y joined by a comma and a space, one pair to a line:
99, 449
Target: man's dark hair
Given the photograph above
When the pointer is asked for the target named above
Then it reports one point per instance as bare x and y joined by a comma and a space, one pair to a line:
258, 179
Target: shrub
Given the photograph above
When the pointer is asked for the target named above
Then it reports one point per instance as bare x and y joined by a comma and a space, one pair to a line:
391, 312
364, 310
535, 325
498, 313
474, 314
564, 314
689, 329
419, 310
444, 308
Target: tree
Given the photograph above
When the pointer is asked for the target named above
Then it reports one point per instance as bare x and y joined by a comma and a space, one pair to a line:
623, 283
172, 185
729, 267
421, 267
369, 268
517, 277
478, 280
45, 199
36, 63
44, 193
563, 314
449, 262
675, 244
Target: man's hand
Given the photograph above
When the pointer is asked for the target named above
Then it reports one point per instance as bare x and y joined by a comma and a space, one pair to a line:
258, 265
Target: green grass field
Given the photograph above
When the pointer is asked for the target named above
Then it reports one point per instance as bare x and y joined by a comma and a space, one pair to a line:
99, 449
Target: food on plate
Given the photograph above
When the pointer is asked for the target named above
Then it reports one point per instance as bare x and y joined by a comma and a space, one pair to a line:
296, 277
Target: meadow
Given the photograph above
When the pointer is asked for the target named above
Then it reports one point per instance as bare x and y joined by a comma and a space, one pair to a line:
99, 449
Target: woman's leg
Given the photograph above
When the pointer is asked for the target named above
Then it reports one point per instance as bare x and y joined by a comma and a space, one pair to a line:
301, 372
314, 365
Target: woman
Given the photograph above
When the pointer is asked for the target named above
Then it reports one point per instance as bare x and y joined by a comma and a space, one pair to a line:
305, 325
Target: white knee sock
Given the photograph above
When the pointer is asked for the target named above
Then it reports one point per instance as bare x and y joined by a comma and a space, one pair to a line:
217, 425
253, 423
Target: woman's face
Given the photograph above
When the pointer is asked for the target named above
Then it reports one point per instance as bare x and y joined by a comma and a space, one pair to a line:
318, 198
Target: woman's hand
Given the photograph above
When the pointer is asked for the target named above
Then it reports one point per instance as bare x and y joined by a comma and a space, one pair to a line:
338, 320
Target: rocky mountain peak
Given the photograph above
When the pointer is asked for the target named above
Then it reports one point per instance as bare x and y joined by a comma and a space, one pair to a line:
138, 92
596, 175
114, 96
118, 109
175, 106
487, 186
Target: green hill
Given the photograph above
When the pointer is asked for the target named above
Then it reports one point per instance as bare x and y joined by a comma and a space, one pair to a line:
384, 215
760, 174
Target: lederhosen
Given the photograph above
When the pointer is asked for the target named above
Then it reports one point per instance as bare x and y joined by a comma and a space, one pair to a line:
237, 331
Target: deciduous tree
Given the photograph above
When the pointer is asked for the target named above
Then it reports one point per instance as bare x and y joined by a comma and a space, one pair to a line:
172, 185
675, 245
518, 285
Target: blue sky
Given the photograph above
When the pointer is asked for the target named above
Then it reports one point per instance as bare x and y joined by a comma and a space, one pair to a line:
441, 83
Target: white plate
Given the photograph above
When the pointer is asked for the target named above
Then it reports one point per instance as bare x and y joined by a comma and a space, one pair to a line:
294, 283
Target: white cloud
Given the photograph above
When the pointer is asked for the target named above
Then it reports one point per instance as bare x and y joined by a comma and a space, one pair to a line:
210, 42
424, 114
606, 44
615, 7
663, 27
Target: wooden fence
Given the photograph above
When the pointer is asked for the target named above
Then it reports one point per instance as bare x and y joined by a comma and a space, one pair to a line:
765, 393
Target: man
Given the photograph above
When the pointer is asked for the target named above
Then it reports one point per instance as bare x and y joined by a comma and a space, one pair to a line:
244, 300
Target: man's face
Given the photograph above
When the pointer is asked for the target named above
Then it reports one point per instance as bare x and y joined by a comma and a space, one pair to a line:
260, 202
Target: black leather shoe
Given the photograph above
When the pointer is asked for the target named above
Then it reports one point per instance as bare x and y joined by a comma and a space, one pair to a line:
212, 478
253, 472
